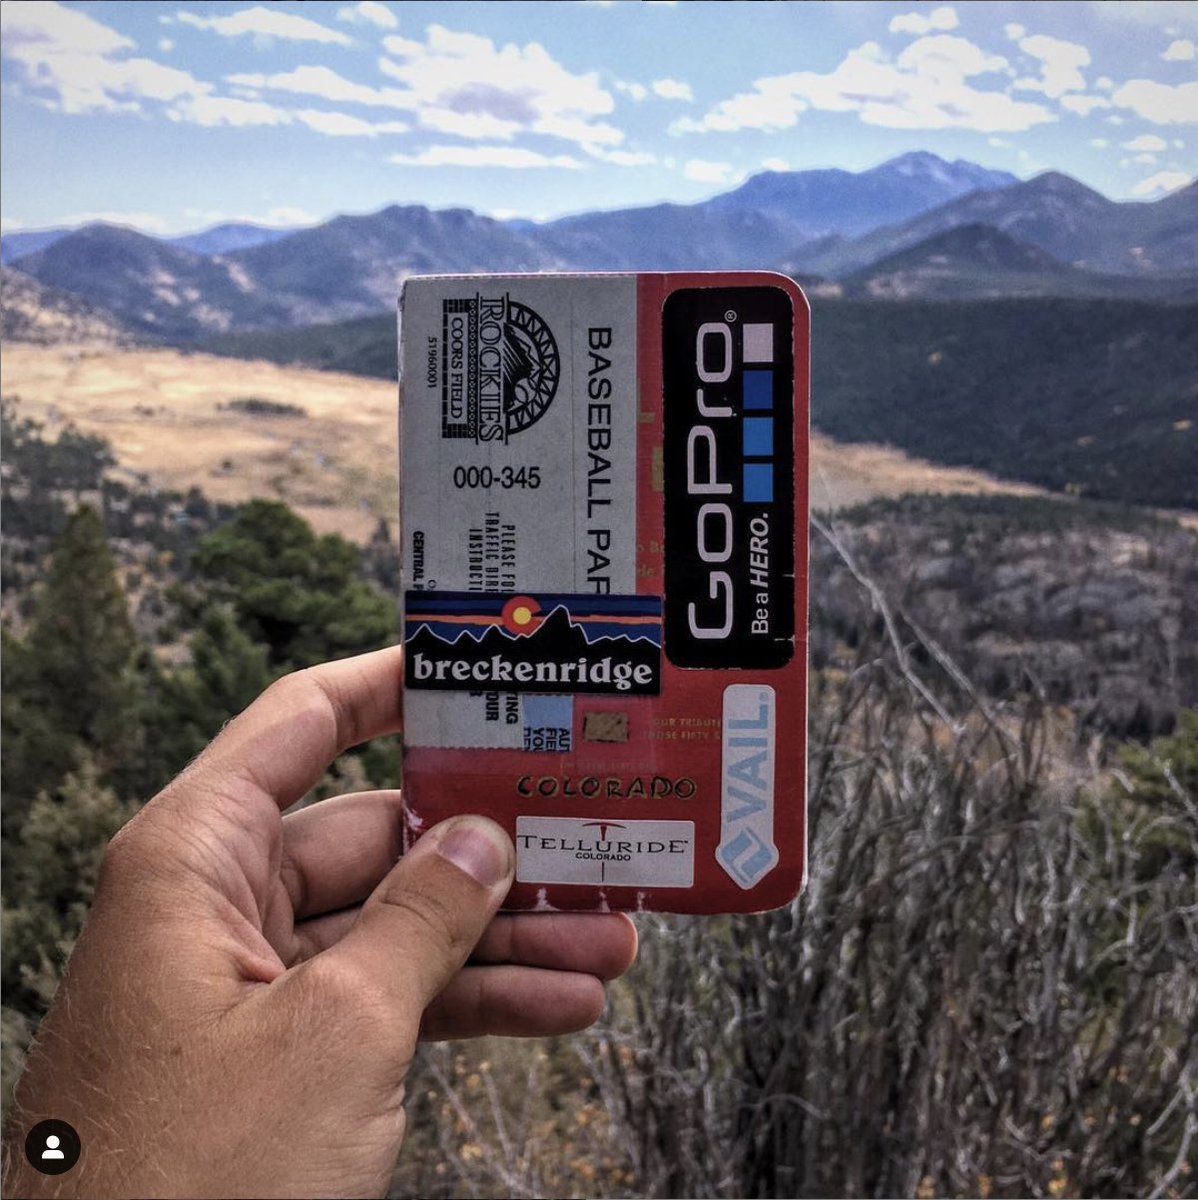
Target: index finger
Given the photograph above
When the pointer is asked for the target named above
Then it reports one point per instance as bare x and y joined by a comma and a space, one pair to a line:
283, 743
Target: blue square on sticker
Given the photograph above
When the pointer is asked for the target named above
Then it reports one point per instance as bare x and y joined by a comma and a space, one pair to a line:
548, 722
758, 389
759, 437
758, 483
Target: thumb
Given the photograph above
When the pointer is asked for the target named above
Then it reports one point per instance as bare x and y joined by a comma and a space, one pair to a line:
427, 915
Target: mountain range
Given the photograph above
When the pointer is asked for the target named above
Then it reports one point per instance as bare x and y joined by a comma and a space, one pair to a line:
1046, 236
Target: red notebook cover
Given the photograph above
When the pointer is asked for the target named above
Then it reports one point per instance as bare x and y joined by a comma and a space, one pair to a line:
604, 532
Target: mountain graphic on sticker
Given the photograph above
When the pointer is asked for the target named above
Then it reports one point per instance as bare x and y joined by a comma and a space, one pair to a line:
450, 616
471, 641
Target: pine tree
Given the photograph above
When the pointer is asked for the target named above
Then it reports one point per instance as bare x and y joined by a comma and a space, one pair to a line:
191, 704
50, 879
73, 684
294, 592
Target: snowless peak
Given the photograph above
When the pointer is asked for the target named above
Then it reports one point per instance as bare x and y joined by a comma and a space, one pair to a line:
918, 162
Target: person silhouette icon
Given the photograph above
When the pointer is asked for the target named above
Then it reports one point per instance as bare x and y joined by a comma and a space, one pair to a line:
52, 1147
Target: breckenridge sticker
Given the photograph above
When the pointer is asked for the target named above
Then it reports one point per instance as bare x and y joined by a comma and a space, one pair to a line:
729, 477
544, 642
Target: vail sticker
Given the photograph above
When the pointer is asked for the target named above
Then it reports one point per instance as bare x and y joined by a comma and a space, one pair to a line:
747, 851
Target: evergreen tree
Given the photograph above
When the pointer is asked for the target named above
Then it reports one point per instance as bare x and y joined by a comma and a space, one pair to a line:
50, 878
73, 684
191, 704
294, 592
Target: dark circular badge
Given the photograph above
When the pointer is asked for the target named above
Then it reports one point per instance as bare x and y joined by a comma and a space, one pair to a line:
52, 1147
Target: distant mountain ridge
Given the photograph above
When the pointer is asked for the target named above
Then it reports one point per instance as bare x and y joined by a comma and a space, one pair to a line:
232, 235
823, 223
1068, 220
979, 261
850, 204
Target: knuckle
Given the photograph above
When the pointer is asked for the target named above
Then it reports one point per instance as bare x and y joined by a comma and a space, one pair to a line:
312, 697
124, 853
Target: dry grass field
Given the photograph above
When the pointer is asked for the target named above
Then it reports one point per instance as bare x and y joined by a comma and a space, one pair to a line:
166, 415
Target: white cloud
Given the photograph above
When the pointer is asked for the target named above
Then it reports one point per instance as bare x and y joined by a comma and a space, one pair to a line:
1000, 142
775, 164
1144, 159
227, 110
165, 45
484, 156
265, 22
1059, 64
1104, 83
702, 170
367, 12
336, 124
1147, 141
1161, 182
773, 105
51, 27
475, 126
1160, 103
637, 91
928, 86
1014, 31
328, 85
1084, 105
523, 86
1180, 50
939, 18
672, 89
623, 158
66, 59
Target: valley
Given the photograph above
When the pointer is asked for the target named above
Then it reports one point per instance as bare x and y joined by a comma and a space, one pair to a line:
168, 418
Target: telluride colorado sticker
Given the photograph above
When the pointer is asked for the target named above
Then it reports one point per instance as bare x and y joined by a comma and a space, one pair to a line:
604, 520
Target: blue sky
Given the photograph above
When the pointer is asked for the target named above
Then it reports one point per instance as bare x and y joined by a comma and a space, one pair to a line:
173, 116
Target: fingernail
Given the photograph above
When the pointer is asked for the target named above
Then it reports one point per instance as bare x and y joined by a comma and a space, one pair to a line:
478, 847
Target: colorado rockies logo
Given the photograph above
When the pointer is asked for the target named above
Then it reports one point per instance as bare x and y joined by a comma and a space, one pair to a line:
500, 368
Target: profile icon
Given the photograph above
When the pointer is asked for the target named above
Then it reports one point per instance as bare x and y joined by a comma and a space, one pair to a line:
52, 1147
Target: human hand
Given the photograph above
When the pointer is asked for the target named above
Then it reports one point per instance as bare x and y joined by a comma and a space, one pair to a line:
242, 1007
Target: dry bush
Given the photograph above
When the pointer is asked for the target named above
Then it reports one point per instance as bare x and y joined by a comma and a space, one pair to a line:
989, 987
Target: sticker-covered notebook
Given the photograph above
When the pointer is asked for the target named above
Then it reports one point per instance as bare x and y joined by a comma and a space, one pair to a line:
604, 564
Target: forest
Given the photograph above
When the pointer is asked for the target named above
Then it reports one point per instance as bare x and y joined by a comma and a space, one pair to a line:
989, 985
1104, 408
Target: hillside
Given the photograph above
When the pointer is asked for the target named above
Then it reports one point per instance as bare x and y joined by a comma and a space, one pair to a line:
32, 312
1053, 212
323, 442
153, 287
1092, 396
1096, 397
976, 261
